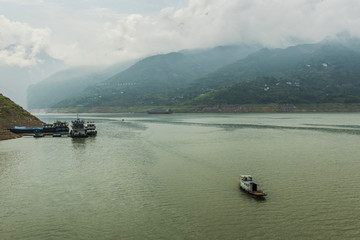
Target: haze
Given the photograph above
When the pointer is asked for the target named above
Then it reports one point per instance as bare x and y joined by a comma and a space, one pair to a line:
40, 37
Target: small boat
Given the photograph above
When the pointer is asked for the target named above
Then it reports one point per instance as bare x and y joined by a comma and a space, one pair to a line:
247, 184
38, 135
57, 135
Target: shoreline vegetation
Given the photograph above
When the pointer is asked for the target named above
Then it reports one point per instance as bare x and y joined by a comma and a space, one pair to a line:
12, 114
224, 108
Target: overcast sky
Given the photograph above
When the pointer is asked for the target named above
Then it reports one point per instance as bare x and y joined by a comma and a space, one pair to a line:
103, 32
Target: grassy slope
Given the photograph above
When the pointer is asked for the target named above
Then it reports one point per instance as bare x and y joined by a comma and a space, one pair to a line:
12, 115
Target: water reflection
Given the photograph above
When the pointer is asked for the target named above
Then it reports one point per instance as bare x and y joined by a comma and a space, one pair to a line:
82, 143
78, 142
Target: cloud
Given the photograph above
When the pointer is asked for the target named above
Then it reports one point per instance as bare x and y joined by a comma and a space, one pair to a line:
22, 2
94, 34
20, 43
207, 23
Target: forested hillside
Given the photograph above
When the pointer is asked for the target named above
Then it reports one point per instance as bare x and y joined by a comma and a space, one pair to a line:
330, 74
325, 72
157, 76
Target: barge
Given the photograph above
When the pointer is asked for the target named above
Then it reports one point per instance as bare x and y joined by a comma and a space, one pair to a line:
56, 127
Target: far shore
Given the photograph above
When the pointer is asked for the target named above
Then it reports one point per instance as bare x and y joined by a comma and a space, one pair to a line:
5, 134
220, 108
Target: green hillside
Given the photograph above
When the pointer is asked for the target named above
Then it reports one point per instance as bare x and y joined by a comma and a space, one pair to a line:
323, 73
12, 115
156, 76
266, 62
330, 74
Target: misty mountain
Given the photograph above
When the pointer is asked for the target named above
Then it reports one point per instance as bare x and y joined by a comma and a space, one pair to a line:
67, 83
265, 62
16, 79
323, 73
157, 74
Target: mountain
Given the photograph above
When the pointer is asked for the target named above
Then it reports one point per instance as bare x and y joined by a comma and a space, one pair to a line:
67, 83
265, 62
157, 75
17, 79
322, 73
12, 115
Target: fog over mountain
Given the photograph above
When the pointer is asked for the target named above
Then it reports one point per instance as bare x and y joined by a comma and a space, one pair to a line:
94, 32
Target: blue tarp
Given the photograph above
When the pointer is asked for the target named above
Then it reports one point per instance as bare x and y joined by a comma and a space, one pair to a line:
24, 128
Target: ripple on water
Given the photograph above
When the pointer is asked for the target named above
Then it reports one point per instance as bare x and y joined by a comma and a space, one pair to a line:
175, 177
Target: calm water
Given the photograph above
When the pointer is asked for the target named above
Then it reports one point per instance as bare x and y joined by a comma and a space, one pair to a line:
176, 177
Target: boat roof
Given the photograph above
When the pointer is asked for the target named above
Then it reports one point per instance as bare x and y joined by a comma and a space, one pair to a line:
245, 176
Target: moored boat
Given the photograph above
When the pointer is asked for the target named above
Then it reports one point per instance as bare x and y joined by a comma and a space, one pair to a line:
56, 127
25, 130
38, 135
78, 129
247, 184
90, 129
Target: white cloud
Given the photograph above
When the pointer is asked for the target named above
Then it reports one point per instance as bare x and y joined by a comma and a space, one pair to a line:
207, 23
93, 34
20, 43
96, 32
22, 2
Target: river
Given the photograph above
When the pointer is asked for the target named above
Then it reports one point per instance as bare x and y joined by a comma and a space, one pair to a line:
176, 177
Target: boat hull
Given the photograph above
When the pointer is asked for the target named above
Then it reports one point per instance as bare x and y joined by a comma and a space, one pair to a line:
78, 134
57, 127
254, 193
38, 135
91, 133
25, 130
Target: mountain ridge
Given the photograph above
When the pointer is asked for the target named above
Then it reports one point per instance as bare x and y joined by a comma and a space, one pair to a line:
319, 73
154, 75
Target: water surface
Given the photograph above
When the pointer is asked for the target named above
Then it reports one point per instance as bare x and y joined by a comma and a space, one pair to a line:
176, 177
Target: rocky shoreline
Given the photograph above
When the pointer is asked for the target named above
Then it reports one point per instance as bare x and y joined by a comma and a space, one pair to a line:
6, 135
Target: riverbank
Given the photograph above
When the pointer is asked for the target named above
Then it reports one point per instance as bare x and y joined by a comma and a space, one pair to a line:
6, 134
272, 108
12, 115
239, 108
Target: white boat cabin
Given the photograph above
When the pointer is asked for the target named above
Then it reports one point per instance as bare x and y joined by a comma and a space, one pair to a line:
247, 183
